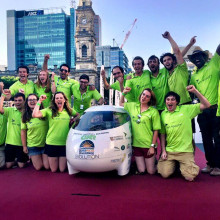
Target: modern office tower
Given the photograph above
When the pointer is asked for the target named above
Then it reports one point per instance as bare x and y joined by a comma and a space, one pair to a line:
110, 57
98, 30
31, 34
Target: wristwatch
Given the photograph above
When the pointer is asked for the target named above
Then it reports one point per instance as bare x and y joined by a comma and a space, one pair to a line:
153, 145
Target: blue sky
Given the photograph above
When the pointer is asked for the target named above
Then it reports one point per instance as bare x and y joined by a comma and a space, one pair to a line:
183, 18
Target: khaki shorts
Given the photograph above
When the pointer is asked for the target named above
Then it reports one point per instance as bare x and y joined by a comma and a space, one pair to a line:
188, 167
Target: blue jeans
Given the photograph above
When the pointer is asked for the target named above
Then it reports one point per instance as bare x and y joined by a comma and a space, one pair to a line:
209, 125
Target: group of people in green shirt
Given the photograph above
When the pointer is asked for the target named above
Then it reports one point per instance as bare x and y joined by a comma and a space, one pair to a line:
168, 89
158, 101
38, 125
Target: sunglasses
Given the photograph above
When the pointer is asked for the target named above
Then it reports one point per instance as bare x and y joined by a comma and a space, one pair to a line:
139, 119
83, 82
66, 71
114, 74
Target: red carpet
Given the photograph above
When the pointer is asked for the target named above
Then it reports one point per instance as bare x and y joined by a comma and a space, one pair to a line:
28, 194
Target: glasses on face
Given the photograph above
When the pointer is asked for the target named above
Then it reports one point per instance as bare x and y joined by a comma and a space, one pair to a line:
83, 82
114, 74
139, 119
32, 100
64, 70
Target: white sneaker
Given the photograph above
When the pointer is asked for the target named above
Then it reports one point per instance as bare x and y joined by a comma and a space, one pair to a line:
215, 172
207, 169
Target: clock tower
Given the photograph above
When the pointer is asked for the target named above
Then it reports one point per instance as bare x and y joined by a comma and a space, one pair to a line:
85, 42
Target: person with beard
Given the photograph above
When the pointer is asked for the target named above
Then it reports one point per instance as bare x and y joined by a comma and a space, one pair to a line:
43, 87
58, 116
119, 76
176, 135
13, 148
83, 96
140, 80
206, 80
23, 85
178, 73
33, 134
159, 77
62, 83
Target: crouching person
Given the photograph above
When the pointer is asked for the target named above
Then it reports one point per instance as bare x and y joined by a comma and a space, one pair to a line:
176, 134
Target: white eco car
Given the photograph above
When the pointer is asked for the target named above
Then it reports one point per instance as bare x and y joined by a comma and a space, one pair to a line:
100, 142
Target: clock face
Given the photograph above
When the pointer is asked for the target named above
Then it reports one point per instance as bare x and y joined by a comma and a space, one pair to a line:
84, 21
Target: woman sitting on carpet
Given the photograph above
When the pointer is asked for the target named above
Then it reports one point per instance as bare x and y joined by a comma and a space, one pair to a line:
58, 115
33, 134
145, 122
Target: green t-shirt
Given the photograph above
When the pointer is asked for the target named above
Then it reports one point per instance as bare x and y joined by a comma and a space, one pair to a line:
116, 86
36, 132
160, 87
13, 116
137, 85
65, 86
178, 82
177, 127
3, 128
150, 121
28, 88
83, 100
206, 79
41, 91
58, 126
218, 111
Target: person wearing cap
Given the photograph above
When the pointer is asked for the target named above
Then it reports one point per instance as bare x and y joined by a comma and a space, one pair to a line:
177, 68
176, 135
206, 80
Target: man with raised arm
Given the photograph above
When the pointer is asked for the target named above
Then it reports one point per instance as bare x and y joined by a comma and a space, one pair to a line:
177, 68
62, 83
206, 80
176, 135
120, 77
159, 77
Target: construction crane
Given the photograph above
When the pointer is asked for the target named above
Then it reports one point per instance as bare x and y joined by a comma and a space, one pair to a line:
128, 34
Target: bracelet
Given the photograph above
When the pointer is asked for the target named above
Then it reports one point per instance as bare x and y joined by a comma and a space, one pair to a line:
123, 94
3, 95
38, 104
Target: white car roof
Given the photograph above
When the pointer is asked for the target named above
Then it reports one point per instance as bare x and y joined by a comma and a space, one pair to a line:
106, 108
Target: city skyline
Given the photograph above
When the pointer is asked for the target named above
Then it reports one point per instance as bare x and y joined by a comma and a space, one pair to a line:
183, 19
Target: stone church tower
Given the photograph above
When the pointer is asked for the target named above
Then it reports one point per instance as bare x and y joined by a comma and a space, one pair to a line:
85, 42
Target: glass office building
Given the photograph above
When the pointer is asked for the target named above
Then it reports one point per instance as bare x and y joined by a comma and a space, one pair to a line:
31, 34
110, 57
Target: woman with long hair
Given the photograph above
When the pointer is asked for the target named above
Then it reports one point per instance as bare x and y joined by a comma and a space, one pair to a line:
58, 115
145, 121
43, 87
33, 134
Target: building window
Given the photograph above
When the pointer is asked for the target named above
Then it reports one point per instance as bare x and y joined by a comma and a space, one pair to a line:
84, 51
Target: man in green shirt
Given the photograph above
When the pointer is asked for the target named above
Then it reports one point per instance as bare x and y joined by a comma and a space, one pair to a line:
176, 135
120, 77
159, 77
3, 129
13, 142
61, 83
140, 80
206, 80
83, 96
178, 72
23, 85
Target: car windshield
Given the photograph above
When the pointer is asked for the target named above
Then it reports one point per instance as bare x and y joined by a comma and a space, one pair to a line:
102, 120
